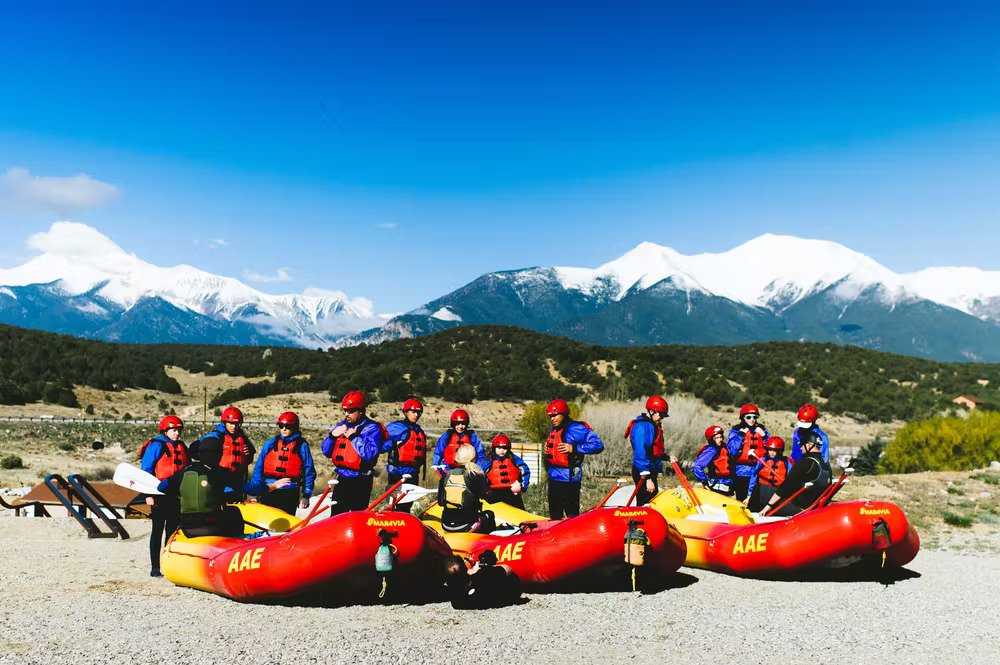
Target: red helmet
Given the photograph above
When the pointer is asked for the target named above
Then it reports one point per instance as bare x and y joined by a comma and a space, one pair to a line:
808, 415
557, 406
657, 403
232, 415
711, 432
775, 443
413, 404
171, 422
354, 400
501, 441
288, 418
459, 416
749, 408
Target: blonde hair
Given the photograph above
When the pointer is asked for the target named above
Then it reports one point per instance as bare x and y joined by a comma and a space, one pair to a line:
466, 456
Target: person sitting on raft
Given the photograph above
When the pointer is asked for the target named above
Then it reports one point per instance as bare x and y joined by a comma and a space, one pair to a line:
812, 468
769, 474
460, 495
507, 474
285, 467
711, 465
807, 417
645, 433
201, 487
353, 446
746, 448
448, 443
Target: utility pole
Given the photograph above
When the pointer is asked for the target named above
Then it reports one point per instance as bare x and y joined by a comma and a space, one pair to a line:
204, 415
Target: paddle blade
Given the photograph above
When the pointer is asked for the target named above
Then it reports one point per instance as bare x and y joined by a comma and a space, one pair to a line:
414, 492
134, 478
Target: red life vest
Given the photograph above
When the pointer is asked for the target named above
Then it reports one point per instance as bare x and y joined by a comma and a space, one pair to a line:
454, 441
345, 456
283, 460
773, 471
658, 451
173, 458
235, 452
503, 472
719, 468
413, 450
552, 455
752, 440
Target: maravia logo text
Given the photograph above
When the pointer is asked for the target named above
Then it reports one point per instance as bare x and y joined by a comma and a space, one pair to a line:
630, 513
876, 511
377, 522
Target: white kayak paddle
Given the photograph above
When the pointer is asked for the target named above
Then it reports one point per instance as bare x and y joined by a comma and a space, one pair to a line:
134, 478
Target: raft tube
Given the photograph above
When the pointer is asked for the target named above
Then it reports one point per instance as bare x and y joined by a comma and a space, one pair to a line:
334, 556
578, 552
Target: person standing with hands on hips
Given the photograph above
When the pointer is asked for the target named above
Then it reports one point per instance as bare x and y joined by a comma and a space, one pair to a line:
567, 443
353, 445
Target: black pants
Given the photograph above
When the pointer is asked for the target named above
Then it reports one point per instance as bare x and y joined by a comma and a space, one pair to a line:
286, 499
351, 494
643, 496
505, 495
393, 479
165, 514
762, 493
227, 522
564, 499
740, 486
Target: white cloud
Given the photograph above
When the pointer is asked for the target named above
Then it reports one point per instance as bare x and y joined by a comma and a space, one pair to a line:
388, 226
212, 244
280, 275
62, 194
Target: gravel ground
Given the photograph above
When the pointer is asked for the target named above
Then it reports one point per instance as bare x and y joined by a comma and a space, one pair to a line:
72, 600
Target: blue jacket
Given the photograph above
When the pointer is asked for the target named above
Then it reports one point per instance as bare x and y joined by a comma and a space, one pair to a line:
257, 484
153, 453
701, 464
760, 465
585, 442
735, 445
642, 434
367, 441
438, 459
824, 448
399, 431
519, 463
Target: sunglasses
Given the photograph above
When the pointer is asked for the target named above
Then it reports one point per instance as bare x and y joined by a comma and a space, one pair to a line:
751, 416
414, 411
285, 427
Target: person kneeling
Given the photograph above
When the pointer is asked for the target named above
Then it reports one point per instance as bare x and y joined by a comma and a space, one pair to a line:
202, 486
461, 492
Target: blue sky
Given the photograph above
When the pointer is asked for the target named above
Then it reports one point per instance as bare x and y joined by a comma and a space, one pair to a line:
398, 150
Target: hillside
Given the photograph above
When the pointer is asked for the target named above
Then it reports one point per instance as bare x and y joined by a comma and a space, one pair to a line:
503, 363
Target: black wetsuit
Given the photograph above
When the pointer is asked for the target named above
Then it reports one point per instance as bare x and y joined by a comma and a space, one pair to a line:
811, 468
462, 516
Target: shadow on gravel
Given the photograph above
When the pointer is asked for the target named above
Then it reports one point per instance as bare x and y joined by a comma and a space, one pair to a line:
618, 584
859, 573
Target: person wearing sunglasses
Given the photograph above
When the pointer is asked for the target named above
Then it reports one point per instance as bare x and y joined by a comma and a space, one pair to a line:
452, 439
285, 473
406, 447
746, 448
353, 446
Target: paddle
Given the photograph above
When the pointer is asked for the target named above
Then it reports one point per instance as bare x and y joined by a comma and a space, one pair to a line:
134, 478
409, 493
395, 486
620, 483
687, 487
781, 505
317, 506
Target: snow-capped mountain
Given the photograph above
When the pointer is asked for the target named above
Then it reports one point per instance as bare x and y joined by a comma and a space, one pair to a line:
769, 288
85, 284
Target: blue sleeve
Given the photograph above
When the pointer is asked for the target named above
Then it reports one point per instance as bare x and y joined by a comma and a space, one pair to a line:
734, 442
308, 469
369, 440
642, 437
525, 471
478, 445
439, 449
486, 467
585, 440
396, 431
151, 456
327, 446
753, 478
256, 485
701, 463
824, 448
796, 452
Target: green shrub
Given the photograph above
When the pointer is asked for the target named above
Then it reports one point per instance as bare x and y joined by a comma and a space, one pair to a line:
106, 472
944, 444
11, 462
957, 520
987, 477
65, 446
535, 423
866, 462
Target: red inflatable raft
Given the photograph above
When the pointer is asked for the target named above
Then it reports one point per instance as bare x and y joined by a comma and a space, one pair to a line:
333, 556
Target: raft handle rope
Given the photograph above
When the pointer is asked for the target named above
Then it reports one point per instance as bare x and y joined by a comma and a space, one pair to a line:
695, 501
395, 486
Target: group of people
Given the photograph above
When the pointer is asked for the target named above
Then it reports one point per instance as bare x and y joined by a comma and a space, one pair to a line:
223, 466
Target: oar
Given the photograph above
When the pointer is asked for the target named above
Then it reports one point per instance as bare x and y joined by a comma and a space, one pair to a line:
635, 491
827, 495
782, 504
410, 493
618, 485
316, 507
395, 486
687, 487
134, 478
